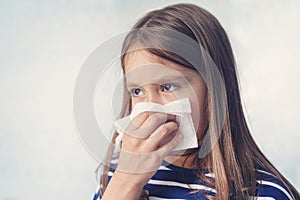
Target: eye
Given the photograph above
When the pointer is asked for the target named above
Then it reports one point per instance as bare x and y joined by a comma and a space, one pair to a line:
168, 87
137, 92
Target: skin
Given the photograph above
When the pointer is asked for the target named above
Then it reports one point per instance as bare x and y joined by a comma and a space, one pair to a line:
146, 77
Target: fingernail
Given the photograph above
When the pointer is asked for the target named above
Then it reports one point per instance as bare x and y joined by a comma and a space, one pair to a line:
176, 125
180, 136
173, 117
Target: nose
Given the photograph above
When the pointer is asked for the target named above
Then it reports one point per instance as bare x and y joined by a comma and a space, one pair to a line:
154, 95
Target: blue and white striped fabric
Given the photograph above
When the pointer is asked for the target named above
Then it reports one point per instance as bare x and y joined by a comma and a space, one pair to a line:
177, 183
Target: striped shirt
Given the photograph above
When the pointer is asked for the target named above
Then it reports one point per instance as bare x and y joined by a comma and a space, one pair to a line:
177, 183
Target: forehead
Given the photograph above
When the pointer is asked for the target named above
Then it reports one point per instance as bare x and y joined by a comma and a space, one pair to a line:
141, 66
138, 58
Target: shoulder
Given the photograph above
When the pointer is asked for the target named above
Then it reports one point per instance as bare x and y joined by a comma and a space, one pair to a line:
270, 187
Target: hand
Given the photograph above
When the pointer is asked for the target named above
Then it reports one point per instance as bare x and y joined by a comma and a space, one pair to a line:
142, 151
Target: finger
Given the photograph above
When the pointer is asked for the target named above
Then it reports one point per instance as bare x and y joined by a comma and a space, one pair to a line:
164, 134
152, 123
166, 148
137, 121
143, 126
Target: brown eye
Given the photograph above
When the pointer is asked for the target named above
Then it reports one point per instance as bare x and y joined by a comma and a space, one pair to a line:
137, 92
168, 87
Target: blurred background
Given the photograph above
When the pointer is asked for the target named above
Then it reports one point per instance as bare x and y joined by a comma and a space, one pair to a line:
43, 45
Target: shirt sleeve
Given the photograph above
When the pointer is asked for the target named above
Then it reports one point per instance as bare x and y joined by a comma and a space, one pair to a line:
97, 195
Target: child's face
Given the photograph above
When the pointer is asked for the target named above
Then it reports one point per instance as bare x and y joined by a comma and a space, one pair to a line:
152, 79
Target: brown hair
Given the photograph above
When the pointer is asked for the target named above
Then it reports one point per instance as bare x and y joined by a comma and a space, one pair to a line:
235, 156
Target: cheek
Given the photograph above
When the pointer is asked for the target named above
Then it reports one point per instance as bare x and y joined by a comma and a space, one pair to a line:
198, 108
134, 101
195, 100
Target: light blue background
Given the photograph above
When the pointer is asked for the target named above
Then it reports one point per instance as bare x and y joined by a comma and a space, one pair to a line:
44, 43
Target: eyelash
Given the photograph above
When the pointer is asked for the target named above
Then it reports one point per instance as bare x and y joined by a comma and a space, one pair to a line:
169, 84
132, 91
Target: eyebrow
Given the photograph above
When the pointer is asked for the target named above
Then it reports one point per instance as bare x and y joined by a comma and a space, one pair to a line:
166, 79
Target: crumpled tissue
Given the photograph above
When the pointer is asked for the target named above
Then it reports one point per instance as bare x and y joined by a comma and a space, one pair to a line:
181, 108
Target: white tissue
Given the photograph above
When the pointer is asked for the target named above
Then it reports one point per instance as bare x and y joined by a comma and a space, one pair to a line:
181, 108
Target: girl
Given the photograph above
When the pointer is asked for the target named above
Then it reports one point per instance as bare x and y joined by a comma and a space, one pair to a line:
227, 163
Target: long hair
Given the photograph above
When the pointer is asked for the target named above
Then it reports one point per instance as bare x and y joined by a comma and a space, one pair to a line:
235, 156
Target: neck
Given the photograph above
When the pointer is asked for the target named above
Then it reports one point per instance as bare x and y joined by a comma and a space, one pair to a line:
189, 159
